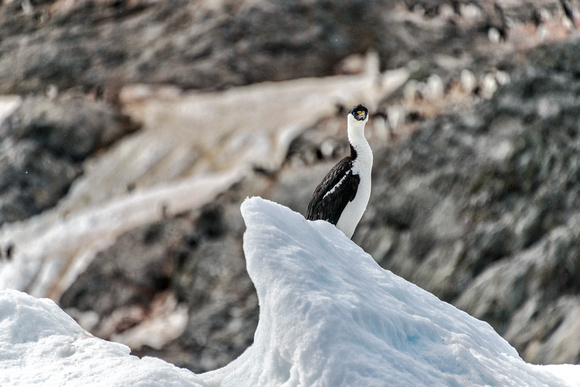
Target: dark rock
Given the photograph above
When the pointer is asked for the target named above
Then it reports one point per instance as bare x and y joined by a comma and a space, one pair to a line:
67, 127
560, 56
221, 298
31, 179
530, 295
106, 43
212, 45
42, 145
132, 271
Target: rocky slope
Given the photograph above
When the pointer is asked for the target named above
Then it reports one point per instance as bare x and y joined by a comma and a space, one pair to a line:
218, 43
43, 145
482, 209
475, 140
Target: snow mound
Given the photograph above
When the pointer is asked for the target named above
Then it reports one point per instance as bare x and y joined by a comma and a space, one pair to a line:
41, 345
329, 316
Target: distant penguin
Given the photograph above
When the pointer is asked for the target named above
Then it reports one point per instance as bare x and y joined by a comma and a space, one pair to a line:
342, 196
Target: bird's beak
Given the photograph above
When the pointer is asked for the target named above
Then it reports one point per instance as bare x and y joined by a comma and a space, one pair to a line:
361, 115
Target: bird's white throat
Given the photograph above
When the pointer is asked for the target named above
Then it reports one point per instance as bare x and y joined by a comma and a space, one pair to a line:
362, 166
356, 137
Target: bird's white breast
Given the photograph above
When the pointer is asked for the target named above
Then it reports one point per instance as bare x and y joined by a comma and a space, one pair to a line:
355, 209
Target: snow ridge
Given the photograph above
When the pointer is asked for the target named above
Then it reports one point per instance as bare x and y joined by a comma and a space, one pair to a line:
331, 316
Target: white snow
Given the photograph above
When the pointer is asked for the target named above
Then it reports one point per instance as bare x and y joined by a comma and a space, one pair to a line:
329, 316
40, 345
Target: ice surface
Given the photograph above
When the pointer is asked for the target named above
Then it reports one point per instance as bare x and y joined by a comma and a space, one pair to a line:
329, 316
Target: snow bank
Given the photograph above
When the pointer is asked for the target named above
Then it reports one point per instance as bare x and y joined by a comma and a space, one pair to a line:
329, 316
41, 345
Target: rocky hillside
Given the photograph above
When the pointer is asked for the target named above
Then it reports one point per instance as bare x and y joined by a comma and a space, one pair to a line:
138, 127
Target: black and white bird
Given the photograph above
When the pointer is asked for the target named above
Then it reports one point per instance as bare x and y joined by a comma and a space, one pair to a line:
344, 193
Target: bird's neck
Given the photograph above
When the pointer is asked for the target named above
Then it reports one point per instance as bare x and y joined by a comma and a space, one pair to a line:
359, 146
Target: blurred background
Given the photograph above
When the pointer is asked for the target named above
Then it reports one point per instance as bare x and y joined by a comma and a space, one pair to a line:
131, 131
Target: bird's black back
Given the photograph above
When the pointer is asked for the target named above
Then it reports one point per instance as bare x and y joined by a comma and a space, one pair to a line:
330, 208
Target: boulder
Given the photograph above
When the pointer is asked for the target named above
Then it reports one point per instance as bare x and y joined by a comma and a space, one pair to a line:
42, 146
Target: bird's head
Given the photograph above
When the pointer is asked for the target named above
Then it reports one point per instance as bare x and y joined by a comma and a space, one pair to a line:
359, 112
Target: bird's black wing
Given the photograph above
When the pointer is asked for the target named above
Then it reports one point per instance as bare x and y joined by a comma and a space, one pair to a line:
343, 184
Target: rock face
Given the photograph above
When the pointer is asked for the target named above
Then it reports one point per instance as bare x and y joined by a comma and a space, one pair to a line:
139, 265
216, 44
42, 145
210, 44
